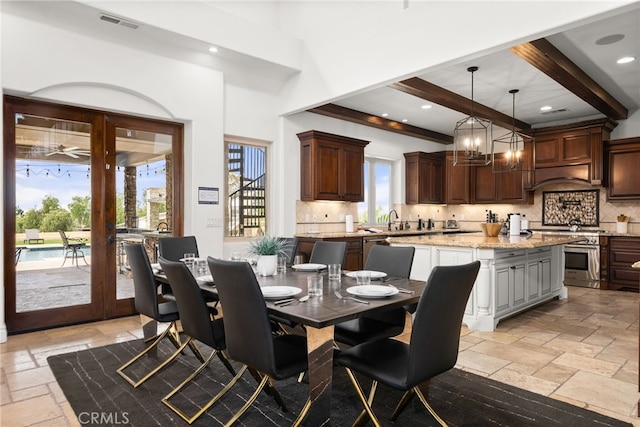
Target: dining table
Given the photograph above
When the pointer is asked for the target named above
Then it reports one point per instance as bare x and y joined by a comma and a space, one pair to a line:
319, 315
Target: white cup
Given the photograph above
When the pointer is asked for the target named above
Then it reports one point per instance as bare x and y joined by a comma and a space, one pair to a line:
363, 277
314, 285
335, 271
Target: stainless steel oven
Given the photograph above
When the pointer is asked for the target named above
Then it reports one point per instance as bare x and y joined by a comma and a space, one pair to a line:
582, 265
581, 259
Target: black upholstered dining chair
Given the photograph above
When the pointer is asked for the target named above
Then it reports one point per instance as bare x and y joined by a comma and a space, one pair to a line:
324, 252
174, 248
396, 261
147, 303
198, 324
289, 248
248, 331
432, 350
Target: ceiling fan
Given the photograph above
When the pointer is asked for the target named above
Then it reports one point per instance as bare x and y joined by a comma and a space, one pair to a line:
74, 152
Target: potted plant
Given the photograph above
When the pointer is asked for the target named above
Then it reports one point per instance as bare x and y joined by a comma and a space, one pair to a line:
266, 249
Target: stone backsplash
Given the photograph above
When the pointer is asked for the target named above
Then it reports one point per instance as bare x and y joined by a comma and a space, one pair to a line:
330, 215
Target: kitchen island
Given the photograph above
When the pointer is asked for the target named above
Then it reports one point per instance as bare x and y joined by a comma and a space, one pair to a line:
516, 272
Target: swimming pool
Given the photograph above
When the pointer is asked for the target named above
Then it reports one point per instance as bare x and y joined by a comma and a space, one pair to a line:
42, 254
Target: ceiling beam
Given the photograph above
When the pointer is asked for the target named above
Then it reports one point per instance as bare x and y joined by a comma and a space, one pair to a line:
548, 59
354, 116
430, 92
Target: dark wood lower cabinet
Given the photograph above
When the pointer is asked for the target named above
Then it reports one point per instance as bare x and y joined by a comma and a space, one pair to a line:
623, 252
353, 257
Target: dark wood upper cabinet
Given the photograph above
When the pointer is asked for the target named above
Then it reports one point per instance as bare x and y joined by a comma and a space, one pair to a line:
622, 172
505, 187
457, 182
424, 178
570, 152
331, 167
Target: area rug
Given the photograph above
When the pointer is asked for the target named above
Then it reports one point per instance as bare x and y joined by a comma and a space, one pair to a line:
99, 396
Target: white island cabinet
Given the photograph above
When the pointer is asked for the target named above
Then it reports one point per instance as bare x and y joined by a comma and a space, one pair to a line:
516, 273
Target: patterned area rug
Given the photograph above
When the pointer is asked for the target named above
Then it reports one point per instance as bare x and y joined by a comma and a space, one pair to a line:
99, 396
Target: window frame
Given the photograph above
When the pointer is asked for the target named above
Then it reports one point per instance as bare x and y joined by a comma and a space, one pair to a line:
253, 142
371, 191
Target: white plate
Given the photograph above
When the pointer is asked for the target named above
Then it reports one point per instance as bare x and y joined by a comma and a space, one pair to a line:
194, 259
206, 278
374, 274
279, 291
309, 267
156, 266
372, 291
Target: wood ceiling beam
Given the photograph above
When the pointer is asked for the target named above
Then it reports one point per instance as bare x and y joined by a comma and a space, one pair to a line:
354, 116
430, 92
548, 59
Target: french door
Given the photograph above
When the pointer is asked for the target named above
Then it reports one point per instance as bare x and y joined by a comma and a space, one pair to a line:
100, 179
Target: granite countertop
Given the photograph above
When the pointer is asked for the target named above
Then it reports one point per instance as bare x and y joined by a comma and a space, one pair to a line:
362, 233
480, 241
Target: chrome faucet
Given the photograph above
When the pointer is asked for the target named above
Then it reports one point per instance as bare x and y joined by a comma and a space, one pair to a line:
162, 226
574, 224
391, 222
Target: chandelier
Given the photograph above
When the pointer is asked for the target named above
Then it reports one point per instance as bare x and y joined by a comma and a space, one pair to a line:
473, 137
514, 142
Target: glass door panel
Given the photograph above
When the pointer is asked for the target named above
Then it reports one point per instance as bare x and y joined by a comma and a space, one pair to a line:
53, 198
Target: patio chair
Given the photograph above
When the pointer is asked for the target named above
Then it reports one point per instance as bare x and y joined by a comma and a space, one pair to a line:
72, 250
32, 235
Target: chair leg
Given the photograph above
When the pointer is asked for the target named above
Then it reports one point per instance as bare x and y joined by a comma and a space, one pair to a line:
269, 389
196, 351
429, 408
226, 363
404, 401
157, 369
214, 399
364, 401
363, 418
249, 402
303, 413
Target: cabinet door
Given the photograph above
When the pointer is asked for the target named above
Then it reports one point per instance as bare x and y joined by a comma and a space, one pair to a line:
502, 288
485, 184
457, 183
413, 180
512, 188
327, 171
517, 282
624, 174
545, 276
351, 170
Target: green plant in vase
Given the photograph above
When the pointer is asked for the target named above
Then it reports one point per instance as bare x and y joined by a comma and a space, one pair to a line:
266, 249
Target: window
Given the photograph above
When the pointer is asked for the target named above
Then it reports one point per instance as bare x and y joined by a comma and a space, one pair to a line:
377, 192
245, 210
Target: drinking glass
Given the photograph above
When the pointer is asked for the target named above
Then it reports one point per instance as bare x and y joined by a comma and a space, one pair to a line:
236, 256
363, 277
335, 270
314, 285
282, 264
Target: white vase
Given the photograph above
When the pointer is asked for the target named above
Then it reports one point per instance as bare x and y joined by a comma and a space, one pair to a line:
267, 265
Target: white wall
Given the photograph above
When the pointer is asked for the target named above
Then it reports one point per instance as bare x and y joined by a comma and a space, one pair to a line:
71, 68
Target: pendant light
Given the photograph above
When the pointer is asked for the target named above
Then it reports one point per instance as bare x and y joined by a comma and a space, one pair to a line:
473, 137
514, 144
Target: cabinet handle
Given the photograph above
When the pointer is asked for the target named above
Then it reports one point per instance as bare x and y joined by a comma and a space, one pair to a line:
513, 267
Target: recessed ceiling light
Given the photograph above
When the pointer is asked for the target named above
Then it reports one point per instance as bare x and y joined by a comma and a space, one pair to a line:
426, 106
404, 120
611, 39
213, 49
546, 108
626, 59
385, 114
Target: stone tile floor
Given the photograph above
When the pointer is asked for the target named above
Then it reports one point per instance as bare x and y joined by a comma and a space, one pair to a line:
583, 351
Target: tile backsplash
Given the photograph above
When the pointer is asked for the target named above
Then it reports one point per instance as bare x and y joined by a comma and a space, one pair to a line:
330, 215
561, 207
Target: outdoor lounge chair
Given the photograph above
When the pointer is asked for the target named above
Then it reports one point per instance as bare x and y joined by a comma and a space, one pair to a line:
32, 235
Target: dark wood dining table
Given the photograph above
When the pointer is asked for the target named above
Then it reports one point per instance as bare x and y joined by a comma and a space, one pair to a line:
319, 315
